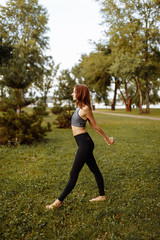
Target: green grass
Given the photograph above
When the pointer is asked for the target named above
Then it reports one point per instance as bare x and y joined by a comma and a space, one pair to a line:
34, 176
153, 112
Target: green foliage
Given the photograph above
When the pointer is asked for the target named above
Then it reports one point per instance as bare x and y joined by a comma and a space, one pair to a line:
5, 54
133, 36
25, 24
24, 27
63, 119
40, 109
7, 104
94, 71
17, 74
65, 88
57, 109
24, 129
34, 176
15, 100
45, 83
63, 94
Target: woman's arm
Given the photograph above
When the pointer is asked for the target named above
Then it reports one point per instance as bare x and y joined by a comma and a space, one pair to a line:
94, 125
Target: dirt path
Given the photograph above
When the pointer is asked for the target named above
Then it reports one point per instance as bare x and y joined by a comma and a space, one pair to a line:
128, 115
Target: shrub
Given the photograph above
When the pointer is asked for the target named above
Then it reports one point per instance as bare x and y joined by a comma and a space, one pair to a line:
6, 105
40, 109
49, 127
23, 129
2, 107
57, 109
69, 108
63, 120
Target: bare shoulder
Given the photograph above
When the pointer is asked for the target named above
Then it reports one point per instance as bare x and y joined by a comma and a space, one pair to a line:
86, 109
87, 112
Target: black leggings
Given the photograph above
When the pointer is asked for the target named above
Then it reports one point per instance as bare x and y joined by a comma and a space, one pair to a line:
84, 155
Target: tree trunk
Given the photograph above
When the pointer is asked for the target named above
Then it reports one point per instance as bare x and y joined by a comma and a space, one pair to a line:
140, 96
127, 103
20, 98
128, 109
146, 61
128, 106
147, 97
45, 100
1, 96
115, 95
128, 100
19, 111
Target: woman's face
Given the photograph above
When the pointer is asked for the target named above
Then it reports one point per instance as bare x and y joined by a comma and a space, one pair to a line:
74, 94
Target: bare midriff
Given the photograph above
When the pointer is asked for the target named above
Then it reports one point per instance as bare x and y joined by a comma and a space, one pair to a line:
78, 130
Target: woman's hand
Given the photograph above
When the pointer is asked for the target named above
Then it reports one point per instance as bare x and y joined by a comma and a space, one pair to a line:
110, 140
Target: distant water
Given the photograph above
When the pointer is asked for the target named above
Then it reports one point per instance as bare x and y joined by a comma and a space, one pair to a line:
102, 106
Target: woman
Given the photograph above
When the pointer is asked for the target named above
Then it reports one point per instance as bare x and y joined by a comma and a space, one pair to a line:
85, 144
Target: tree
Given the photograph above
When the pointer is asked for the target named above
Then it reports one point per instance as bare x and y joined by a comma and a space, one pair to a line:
154, 96
63, 99
24, 25
65, 88
106, 50
46, 82
5, 56
93, 69
133, 27
124, 68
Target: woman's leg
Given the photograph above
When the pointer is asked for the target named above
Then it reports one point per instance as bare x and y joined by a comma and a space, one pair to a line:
84, 155
98, 176
77, 166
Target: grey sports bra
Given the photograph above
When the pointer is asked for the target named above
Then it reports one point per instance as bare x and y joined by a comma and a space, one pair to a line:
76, 120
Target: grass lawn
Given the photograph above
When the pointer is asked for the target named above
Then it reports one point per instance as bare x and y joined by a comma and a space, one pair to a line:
153, 112
34, 176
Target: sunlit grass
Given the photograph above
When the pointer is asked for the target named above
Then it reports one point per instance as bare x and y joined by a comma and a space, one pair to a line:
34, 176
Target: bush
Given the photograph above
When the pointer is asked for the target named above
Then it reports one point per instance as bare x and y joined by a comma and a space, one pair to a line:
63, 120
6, 105
17, 130
57, 109
2, 107
40, 109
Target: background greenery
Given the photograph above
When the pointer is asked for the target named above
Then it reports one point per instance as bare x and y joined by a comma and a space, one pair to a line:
34, 176
125, 61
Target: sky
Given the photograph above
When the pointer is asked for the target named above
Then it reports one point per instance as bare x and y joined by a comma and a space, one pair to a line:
72, 23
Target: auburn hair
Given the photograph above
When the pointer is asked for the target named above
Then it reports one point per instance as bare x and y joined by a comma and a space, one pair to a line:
82, 95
